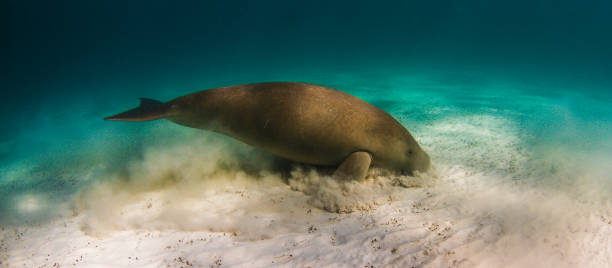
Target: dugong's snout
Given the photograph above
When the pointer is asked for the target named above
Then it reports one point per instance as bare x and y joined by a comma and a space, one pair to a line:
417, 160
423, 162
420, 162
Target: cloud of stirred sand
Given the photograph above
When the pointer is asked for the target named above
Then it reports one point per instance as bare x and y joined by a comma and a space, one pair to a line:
210, 183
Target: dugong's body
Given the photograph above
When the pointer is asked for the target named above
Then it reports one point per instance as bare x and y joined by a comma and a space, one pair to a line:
301, 122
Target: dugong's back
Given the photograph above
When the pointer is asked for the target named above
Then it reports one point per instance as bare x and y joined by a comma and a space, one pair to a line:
302, 122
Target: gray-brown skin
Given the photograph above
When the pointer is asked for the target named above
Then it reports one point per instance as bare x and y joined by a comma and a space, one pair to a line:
301, 122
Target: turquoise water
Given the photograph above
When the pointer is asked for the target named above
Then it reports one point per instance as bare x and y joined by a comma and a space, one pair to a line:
518, 92
503, 128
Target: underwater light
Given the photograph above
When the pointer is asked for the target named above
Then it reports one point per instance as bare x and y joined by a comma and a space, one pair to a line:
29, 203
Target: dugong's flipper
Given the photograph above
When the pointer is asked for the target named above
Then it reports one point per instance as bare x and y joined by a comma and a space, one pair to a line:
354, 167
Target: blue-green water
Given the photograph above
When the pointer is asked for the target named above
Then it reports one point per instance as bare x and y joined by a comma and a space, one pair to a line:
518, 91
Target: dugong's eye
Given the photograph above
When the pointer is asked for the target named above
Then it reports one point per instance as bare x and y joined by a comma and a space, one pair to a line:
409, 152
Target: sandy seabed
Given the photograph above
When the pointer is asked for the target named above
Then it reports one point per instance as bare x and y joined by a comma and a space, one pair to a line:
200, 200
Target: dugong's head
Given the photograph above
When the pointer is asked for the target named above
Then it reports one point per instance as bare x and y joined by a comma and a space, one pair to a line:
405, 156
417, 160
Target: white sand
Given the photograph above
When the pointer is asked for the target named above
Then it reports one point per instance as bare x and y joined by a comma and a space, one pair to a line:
461, 221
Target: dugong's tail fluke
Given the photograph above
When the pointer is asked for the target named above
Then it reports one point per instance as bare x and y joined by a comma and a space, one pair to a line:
148, 110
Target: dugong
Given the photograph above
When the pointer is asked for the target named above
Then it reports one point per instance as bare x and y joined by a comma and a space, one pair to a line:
301, 122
